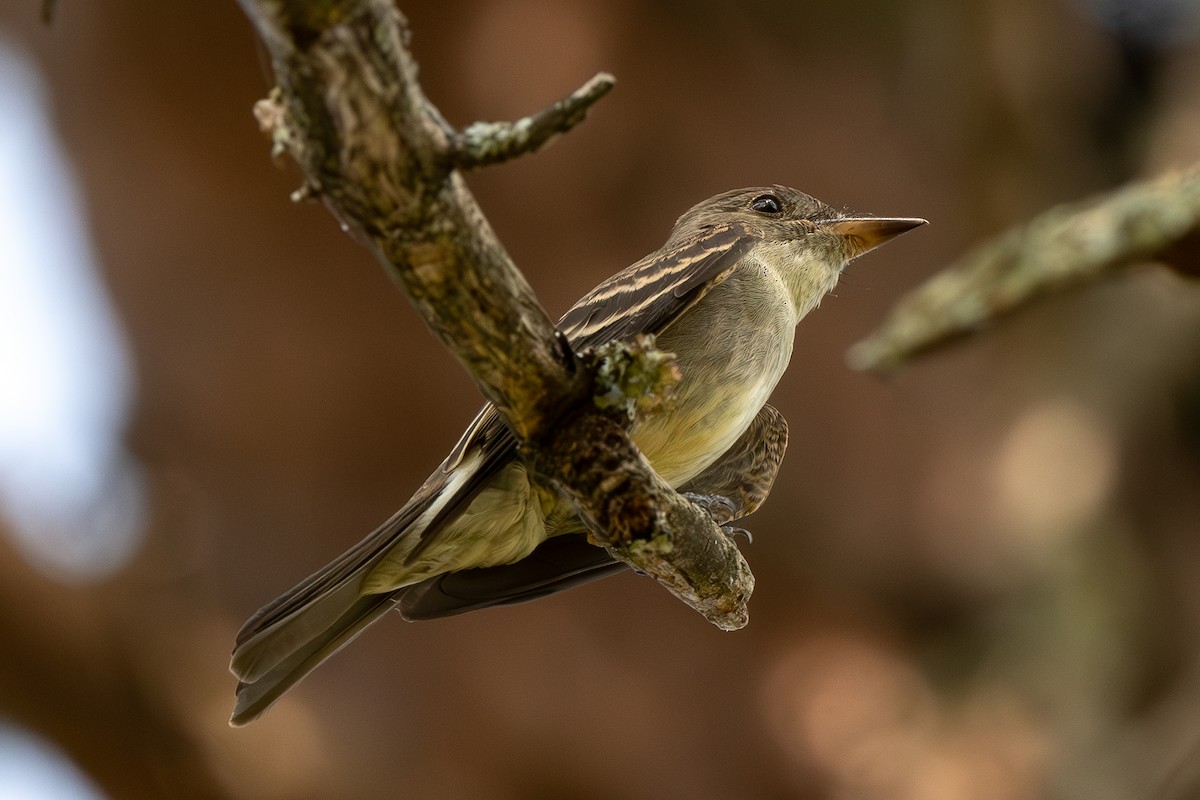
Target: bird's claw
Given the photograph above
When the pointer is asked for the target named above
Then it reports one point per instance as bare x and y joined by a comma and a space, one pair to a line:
733, 532
719, 509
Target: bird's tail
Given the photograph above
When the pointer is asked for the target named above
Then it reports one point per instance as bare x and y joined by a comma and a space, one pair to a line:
290, 637
317, 639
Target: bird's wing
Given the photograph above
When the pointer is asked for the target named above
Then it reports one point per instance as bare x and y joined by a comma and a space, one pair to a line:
648, 296
561, 562
644, 298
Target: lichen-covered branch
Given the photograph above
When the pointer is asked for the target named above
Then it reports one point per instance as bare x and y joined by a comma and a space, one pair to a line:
642, 521
629, 509
1066, 246
351, 113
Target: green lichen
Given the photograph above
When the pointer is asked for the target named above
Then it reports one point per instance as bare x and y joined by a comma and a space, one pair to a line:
633, 376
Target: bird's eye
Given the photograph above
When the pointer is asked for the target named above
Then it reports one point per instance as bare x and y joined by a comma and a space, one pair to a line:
767, 204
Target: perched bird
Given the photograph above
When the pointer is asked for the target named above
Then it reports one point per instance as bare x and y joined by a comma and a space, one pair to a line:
724, 294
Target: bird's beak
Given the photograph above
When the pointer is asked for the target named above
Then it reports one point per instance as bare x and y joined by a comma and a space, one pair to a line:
864, 234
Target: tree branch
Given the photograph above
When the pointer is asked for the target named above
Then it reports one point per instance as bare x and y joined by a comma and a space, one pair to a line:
1062, 248
382, 158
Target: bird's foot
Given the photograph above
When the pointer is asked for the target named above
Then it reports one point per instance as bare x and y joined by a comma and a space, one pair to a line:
719, 509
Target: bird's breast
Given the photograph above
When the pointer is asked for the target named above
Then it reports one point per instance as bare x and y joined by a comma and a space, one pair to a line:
732, 348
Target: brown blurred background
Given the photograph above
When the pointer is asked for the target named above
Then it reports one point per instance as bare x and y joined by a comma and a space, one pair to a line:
977, 579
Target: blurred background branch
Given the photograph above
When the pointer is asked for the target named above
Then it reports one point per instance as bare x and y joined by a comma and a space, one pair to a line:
113, 698
1067, 246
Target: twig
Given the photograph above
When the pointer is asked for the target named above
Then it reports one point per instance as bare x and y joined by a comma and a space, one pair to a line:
485, 143
1063, 247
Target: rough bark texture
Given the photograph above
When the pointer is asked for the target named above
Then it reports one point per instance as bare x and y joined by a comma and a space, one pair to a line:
350, 111
1063, 247
645, 523
382, 159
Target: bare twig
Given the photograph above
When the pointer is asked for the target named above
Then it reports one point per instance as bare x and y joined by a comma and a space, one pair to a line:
1064, 247
485, 143
350, 111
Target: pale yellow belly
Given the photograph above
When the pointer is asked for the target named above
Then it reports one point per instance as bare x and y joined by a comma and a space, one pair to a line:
731, 357
684, 443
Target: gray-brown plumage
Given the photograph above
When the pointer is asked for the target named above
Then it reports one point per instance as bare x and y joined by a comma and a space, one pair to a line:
724, 293
737, 483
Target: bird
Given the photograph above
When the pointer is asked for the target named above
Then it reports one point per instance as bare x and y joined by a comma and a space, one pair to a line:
724, 294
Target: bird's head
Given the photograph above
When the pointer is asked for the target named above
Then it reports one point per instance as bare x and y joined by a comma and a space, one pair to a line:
806, 241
